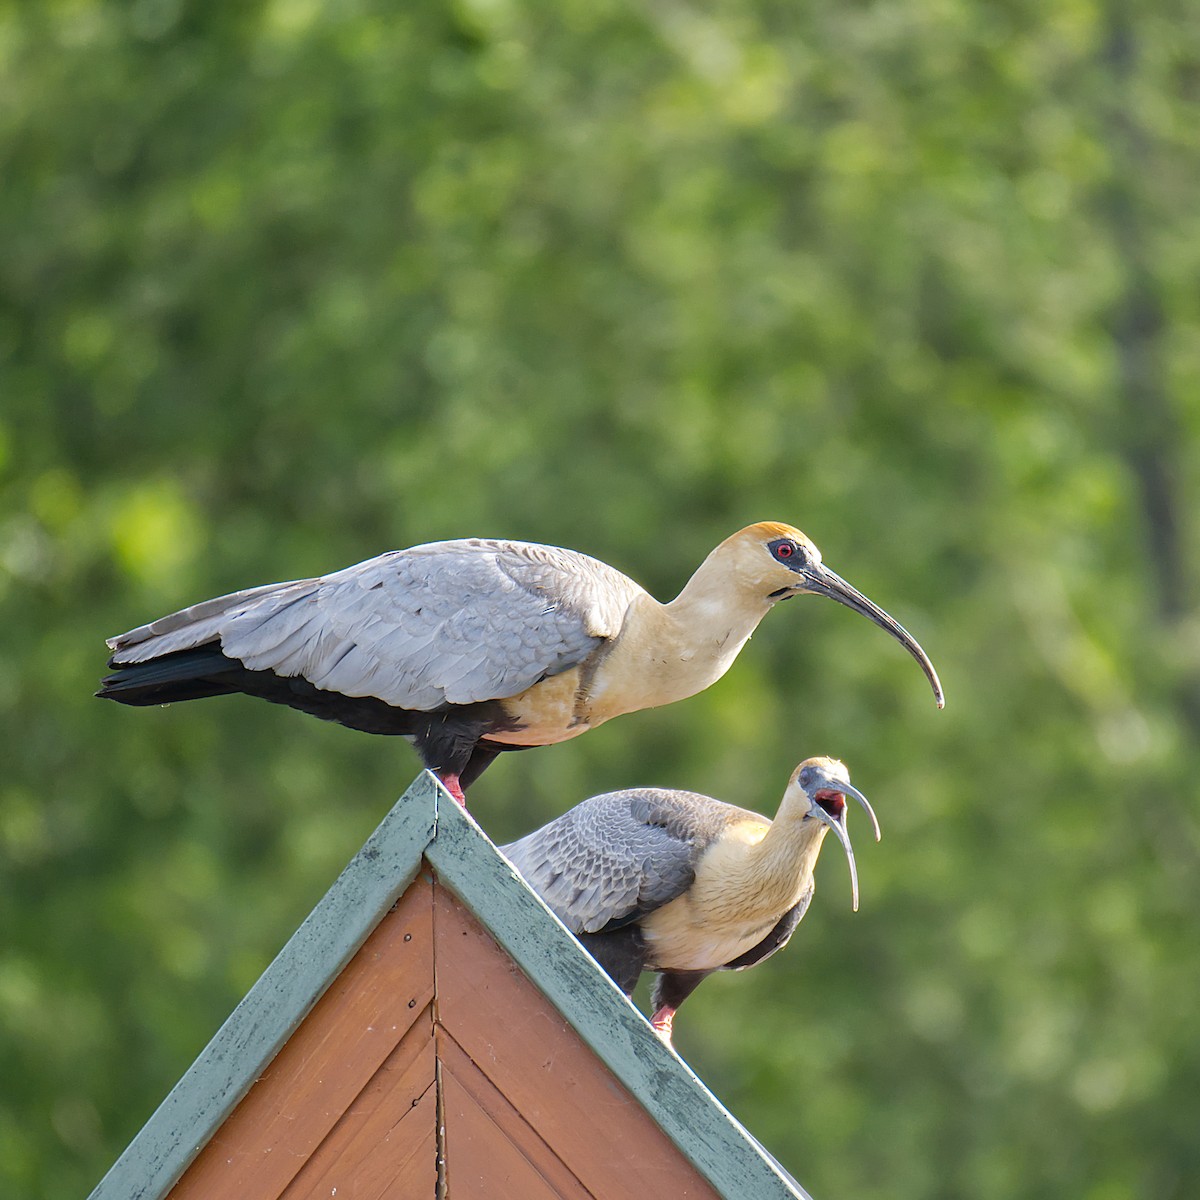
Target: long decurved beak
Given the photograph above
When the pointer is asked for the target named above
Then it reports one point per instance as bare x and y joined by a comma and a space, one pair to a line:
838, 825
847, 790
821, 581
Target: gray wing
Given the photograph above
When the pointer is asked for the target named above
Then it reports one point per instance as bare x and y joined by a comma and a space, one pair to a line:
444, 623
616, 857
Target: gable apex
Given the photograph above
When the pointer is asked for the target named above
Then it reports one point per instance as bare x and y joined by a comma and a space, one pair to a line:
429, 863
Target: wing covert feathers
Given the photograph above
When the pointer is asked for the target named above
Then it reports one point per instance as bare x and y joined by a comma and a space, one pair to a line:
444, 623
616, 857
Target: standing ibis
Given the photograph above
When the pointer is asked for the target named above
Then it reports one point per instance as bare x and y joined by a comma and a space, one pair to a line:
471, 647
659, 880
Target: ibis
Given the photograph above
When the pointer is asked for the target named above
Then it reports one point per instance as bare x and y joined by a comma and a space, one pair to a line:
653, 879
473, 647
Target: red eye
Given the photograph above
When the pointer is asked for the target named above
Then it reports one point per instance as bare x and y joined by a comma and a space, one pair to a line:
785, 550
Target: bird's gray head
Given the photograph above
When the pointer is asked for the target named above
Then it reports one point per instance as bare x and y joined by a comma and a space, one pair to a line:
782, 562
826, 784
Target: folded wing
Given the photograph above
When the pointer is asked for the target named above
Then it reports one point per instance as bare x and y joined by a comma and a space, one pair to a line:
447, 623
614, 858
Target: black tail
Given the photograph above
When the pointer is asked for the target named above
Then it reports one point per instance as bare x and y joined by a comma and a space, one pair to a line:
205, 671
183, 675
447, 737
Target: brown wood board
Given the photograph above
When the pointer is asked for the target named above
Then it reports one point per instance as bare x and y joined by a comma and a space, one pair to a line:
325, 1065
491, 1150
386, 1142
533, 1057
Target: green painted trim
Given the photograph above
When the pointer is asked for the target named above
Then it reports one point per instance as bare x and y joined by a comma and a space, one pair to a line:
425, 822
312, 959
708, 1135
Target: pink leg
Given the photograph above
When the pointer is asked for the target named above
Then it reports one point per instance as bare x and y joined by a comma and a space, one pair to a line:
662, 1021
451, 784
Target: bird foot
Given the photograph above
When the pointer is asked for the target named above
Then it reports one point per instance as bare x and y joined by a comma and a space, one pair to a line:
662, 1021
451, 784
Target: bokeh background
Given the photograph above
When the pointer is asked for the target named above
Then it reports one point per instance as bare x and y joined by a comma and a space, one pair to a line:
286, 284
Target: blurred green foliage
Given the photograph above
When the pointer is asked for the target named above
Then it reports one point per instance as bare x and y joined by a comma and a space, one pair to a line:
283, 285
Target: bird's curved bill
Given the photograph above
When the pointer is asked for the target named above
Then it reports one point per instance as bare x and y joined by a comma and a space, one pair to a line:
847, 790
838, 825
821, 581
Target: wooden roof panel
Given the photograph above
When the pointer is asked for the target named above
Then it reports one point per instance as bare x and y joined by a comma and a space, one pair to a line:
326, 1064
386, 1142
537, 1061
471, 1103
488, 1157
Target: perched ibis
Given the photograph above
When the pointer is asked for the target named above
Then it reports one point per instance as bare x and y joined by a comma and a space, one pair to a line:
471, 647
653, 879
